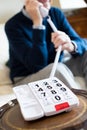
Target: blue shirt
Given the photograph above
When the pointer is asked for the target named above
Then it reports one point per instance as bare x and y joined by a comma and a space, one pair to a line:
31, 49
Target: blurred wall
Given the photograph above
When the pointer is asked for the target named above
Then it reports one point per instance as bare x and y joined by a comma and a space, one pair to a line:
8, 8
56, 3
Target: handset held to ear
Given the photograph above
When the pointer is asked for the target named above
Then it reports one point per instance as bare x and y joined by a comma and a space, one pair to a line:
44, 12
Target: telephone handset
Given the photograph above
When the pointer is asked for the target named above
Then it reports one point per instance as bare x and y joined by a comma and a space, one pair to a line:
44, 12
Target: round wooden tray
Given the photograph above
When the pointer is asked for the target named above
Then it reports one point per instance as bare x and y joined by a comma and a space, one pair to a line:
76, 119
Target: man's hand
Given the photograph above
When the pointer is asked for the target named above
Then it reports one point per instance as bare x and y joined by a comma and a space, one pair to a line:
32, 8
60, 38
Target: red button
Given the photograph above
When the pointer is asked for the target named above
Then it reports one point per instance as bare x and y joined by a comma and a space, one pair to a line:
61, 106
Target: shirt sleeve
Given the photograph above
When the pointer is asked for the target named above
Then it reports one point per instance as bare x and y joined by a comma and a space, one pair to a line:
39, 27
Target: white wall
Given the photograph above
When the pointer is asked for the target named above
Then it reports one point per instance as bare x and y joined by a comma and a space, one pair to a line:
72, 4
8, 8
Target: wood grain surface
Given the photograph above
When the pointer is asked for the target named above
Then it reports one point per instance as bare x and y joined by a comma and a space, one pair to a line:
76, 119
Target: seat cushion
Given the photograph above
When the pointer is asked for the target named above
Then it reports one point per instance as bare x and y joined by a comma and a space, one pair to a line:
4, 56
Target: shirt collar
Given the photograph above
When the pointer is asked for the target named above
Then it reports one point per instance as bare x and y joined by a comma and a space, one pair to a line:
25, 13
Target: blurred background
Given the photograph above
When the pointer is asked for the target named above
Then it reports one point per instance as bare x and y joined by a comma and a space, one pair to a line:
9, 7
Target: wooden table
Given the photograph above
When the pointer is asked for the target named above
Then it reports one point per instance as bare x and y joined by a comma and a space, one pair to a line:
76, 119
